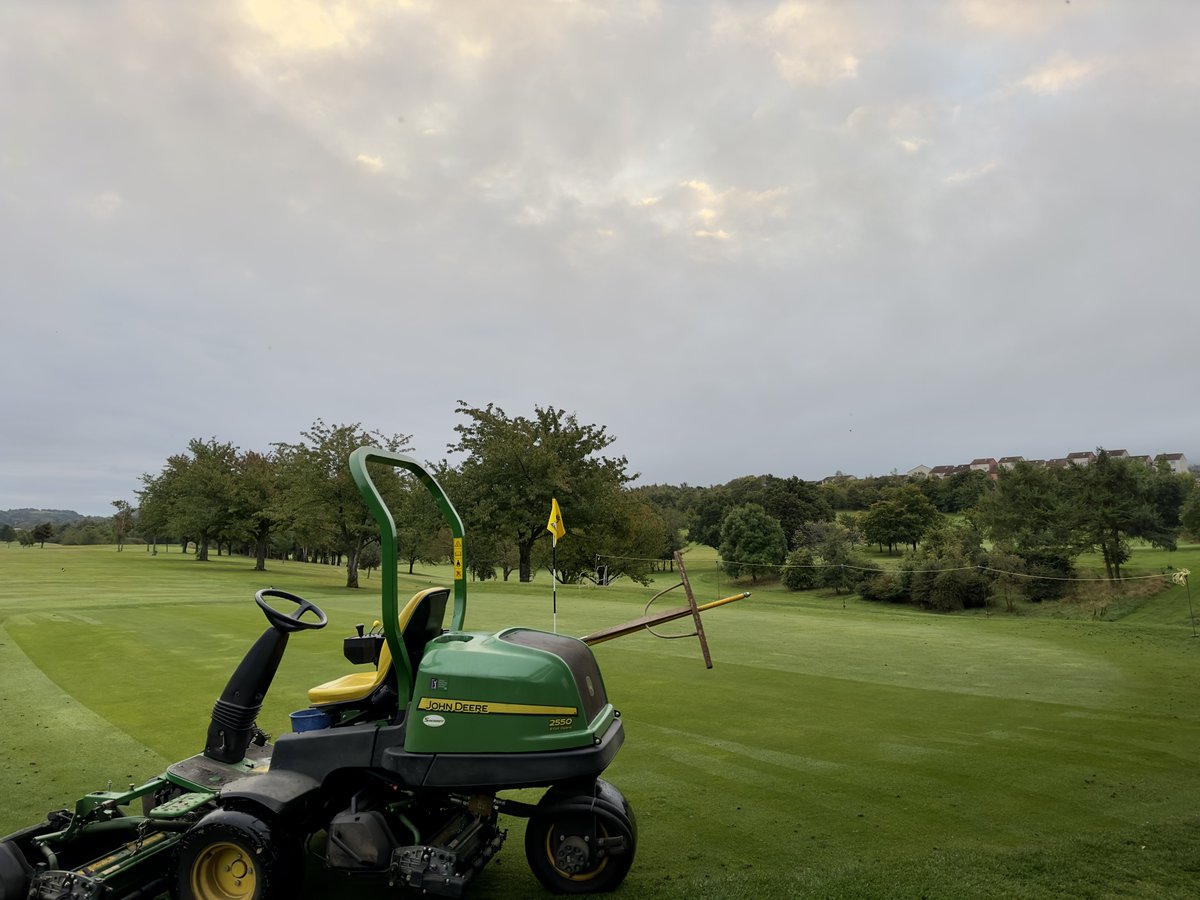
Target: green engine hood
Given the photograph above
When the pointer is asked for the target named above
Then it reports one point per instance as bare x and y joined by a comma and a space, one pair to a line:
516, 691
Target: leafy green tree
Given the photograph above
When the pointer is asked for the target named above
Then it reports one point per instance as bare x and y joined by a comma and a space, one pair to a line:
369, 557
192, 494
842, 571
153, 513
901, 517
801, 570
8, 534
966, 489
791, 501
852, 527
708, 511
42, 532
1189, 515
421, 532
122, 522
1116, 500
254, 501
752, 542
515, 465
1032, 507
946, 572
319, 497
25, 537
1006, 572
881, 525
626, 538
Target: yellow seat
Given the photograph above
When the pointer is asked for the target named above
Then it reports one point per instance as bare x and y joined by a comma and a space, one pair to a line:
420, 621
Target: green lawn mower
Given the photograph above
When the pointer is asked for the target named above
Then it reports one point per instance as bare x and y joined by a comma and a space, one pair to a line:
394, 771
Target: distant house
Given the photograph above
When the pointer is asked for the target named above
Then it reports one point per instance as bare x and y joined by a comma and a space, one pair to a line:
921, 471
1176, 461
941, 471
1057, 463
1144, 460
838, 476
1118, 454
986, 465
1082, 457
1007, 462
955, 470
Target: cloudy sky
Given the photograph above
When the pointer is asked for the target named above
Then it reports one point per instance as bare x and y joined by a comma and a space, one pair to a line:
786, 237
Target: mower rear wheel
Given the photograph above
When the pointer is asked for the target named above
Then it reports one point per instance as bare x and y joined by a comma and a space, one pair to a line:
233, 855
584, 840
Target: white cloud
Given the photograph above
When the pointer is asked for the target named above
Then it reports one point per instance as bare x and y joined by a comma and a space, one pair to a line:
1058, 76
810, 43
971, 174
306, 25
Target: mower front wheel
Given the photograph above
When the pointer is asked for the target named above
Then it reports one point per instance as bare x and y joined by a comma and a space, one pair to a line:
233, 855
581, 841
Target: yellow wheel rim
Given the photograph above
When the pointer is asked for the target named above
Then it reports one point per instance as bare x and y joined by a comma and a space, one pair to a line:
581, 876
224, 871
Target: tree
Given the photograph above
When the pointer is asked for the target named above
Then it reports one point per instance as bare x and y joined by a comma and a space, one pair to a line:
319, 496
41, 533
122, 522
8, 534
192, 495
881, 525
1007, 569
1032, 507
752, 542
514, 466
153, 514
627, 537
801, 570
1189, 516
421, 532
791, 501
369, 557
254, 496
1116, 500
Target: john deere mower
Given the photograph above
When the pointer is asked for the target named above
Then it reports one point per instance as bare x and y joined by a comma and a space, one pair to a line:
394, 771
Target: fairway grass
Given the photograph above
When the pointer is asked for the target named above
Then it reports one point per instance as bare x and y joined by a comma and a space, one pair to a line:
837, 749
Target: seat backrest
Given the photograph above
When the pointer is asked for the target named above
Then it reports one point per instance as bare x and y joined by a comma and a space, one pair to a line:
420, 622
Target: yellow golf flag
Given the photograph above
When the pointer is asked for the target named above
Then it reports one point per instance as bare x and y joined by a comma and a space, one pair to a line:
555, 525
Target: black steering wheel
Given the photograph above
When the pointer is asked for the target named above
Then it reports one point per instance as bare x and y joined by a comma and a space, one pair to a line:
289, 622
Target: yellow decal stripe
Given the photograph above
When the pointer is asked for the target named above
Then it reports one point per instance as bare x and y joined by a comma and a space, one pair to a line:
486, 707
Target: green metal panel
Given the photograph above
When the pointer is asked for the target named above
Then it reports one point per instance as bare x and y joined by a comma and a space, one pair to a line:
387, 539
477, 693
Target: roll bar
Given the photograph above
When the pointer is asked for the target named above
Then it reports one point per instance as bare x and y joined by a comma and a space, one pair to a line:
387, 543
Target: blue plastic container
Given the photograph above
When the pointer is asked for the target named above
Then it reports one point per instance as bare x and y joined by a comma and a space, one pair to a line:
310, 720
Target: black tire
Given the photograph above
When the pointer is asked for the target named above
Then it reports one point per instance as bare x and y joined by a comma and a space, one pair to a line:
233, 855
581, 841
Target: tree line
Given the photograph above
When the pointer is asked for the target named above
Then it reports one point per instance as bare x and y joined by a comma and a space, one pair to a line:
296, 500
1021, 535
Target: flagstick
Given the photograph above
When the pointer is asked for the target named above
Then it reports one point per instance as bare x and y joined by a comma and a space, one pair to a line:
554, 582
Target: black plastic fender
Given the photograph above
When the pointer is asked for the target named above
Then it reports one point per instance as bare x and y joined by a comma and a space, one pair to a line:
282, 794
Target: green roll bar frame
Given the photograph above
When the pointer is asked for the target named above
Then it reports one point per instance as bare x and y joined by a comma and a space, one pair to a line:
388, 558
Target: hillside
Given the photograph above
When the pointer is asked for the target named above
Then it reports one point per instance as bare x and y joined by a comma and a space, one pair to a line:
27, 518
